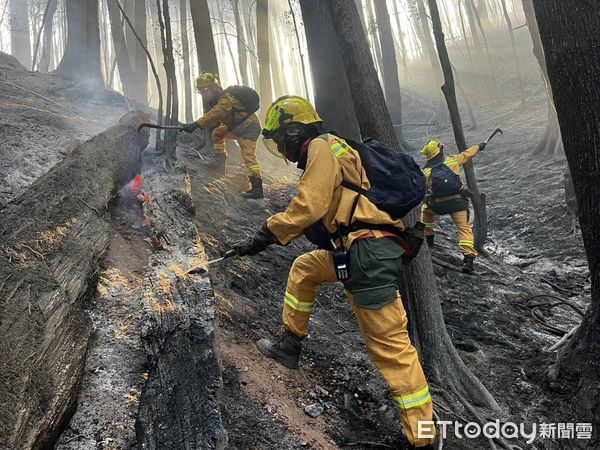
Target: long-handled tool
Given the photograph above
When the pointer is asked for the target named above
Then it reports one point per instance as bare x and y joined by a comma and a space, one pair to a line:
496, 131
158, 127
200, 269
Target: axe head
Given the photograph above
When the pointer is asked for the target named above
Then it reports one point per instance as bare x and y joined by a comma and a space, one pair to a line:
496, 131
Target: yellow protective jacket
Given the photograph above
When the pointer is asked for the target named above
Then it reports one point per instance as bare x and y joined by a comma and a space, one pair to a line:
228, 111
454, 162
320, 195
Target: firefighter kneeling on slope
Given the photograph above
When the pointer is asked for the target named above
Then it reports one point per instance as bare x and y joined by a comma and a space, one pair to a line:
232, 110
446, 195
294, 128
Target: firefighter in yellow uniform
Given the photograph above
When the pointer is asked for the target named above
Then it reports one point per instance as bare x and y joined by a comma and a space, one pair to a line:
446, 196
294, 129
233, 121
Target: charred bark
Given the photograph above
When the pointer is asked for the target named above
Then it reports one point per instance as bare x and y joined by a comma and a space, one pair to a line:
45, 34
574, 90
120, 46
428, 331
551, 144
449, 90
179, 406
53, 236
332, 91
185, 55
81, 59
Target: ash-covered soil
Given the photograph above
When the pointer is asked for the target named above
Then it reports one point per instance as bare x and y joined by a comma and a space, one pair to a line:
42, 119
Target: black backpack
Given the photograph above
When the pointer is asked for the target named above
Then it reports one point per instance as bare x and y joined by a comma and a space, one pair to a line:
397, 182
444, 181
247, 96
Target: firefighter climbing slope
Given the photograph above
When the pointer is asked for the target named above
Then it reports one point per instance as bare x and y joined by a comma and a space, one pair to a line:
446, 195
327, 203
233, 113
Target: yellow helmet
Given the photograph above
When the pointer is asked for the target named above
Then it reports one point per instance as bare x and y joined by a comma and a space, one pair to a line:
432, 149
206, 79
288, 109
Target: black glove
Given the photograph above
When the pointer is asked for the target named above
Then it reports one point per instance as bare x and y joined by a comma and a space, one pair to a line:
190, 127
257, 243
482, 146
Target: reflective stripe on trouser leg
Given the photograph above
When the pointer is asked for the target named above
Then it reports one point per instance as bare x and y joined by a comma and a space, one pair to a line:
385, 332
248, 148
428, 217
465, 233
219, 136
307, 272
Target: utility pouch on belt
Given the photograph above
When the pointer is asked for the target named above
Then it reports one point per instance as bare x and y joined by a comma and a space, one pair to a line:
318, 235
413, 237
341, 263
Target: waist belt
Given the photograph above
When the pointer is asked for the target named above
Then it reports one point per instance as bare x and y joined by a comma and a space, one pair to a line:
370, 226
448, 198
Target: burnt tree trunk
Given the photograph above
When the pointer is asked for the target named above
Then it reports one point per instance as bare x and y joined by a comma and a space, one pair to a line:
442, 363
185, 55
178, 407
488, 57
46, 55
137, 53
299, 43
52, 238
205, 43
262, 44
81, 59
567, 51
551, 144
479, 207
333, 99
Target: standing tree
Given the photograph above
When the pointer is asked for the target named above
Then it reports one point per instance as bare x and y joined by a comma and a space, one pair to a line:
19, 32
185, 55
45, 33
81, 59
264, 65
448, 88
332, 92
440, 359
551, 143
122, 55
137, 54
513, 45
570, 35
205, 44
241, 44
391, 82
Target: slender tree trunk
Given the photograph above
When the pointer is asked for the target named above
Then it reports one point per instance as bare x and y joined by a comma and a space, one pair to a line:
391, 83
514, 50
300, 55
574, 89
551, 144
19, 32
401, 42
468, 4
333, 99
241, 44
449, 91
205, 43
419, 289
138, 57
81, 59
464, 31
264, 66
185, 54
46, 38
372, 27
120, 46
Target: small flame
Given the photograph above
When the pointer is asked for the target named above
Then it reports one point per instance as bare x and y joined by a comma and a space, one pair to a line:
135, 186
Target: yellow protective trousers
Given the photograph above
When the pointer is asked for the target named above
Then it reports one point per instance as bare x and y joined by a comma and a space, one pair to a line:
385, 332
221, 135
461, 222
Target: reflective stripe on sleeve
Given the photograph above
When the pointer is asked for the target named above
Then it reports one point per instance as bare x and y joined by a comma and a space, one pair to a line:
339, 148
294, 303
469, 244
413, 400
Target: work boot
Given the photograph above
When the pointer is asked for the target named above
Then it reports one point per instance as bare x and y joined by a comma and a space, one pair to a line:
468, 264
256, 191
285, 350
216, 163
430, 240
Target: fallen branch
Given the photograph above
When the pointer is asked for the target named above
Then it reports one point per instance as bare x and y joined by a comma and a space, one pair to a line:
564, 339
